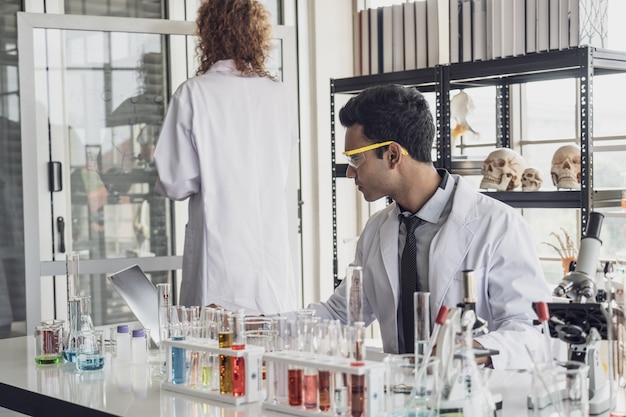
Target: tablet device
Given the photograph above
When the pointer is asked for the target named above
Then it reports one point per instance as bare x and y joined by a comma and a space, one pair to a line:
141, 295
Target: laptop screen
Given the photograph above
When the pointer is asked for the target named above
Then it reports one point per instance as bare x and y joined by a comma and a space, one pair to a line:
141, 296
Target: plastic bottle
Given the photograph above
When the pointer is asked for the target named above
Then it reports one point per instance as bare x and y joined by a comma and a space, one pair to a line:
138, 347
123, 342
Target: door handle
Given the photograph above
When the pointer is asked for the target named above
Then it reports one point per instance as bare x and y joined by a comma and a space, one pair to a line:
55, 182
61, 230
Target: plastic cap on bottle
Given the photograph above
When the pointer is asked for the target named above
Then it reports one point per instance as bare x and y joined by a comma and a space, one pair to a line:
123, 328
139, 333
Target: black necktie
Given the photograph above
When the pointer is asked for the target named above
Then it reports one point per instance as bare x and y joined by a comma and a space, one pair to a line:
409, 281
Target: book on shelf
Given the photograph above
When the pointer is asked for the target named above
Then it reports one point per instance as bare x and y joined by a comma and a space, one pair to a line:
543, 25
507, 27
564, 7
386, 47
397, 37
554, 25
531, 26
465, 24
438, 32
495, 24
479, 33
375, 58
357, 50
410, 57
364, 41
455, 11
489, 29
519, 27
421, 34
574, 23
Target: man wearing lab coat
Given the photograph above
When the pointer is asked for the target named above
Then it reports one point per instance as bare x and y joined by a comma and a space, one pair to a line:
225, 145
388, 144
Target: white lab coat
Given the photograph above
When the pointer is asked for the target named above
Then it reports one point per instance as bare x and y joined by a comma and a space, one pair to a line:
225, 144
481, 234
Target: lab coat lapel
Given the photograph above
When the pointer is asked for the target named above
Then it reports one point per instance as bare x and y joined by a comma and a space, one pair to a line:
389, 249
450, 247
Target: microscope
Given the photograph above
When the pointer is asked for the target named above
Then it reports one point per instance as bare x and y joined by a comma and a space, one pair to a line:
582, 320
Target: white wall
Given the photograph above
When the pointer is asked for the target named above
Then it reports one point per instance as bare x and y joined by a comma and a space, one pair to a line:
325, 52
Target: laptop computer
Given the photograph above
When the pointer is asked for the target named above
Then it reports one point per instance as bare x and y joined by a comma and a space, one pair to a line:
141, 295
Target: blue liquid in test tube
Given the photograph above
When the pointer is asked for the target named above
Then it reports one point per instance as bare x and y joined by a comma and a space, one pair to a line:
178, 363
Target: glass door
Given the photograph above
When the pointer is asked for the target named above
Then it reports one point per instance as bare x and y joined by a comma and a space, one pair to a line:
94, 95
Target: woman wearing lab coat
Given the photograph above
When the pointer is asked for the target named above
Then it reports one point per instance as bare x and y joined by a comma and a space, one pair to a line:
225, 145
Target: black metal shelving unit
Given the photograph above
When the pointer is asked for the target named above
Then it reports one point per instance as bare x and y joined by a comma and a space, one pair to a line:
582, 63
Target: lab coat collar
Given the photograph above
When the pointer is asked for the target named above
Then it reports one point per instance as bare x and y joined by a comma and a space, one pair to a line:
226, 65
432, 209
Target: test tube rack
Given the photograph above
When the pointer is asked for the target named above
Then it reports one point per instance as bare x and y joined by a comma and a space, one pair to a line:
253, 356
374, 373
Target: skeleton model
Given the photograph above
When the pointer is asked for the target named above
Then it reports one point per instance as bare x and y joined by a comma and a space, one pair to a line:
565, 169
532, 179
462, 105
502, 170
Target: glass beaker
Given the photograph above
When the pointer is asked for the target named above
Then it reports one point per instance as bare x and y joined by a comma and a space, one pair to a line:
560, 390
90, 353
49, 342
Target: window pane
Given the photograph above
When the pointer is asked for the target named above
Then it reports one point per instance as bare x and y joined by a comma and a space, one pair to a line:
551, 110
12, 285
152, 9
563, 223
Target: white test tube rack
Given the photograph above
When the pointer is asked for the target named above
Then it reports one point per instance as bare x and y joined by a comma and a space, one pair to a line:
374, 380
253, 356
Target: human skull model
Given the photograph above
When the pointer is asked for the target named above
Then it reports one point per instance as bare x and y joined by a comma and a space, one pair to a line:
502, 170
566, 167
532, 179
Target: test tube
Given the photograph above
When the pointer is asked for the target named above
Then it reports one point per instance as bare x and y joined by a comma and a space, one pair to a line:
357, 386
225, 336
279, 369
238, 362
310, 378
179, 360
294, 372
324, 376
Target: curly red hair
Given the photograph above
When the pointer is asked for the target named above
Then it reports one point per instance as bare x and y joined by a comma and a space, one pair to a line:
234, 29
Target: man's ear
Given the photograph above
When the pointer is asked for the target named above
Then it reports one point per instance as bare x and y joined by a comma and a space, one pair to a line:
395, 151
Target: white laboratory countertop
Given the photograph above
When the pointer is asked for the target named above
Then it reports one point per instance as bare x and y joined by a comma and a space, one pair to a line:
134, 390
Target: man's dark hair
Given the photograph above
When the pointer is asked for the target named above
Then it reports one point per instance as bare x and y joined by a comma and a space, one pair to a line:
393, 112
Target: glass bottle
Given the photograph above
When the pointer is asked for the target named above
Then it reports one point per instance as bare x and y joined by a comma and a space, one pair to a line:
354, 275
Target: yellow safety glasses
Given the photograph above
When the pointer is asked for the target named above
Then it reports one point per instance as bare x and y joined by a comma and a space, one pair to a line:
356, 157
